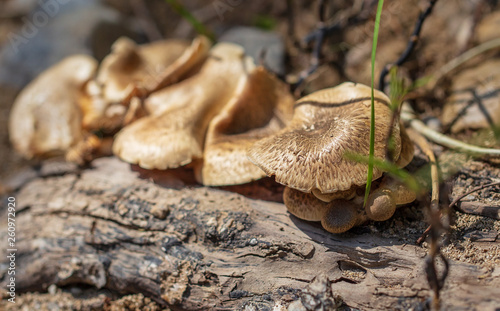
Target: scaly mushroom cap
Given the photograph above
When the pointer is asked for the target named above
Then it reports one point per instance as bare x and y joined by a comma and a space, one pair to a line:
175, 135
46, 118
310, 152
261, 106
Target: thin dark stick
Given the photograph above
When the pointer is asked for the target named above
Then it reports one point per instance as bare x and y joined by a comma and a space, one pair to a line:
321, 33
452, 204
411, 44
403, 58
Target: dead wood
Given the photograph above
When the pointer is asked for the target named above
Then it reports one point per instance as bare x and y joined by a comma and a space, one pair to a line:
202, 248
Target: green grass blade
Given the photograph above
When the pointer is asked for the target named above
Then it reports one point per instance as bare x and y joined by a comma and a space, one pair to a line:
197, 25
372, 119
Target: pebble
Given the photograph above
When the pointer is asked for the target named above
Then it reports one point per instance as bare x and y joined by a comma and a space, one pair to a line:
52, 289
296, 306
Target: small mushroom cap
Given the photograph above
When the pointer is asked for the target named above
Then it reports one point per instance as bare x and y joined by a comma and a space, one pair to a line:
341, 216
175, 136
261, 106
304, 205
381, 205
337, 216
402, 195
45, 118
310, 152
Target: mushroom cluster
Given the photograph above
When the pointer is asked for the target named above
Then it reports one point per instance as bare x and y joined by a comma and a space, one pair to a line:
61, 110
160, 105
309, 157
170, 104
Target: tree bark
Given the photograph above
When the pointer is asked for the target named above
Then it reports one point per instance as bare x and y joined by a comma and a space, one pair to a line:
199, 248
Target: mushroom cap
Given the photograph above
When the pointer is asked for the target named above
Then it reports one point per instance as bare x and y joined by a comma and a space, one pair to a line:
310, 152
261, 106
45, 118
381, 205
304, 205
336, 216
175, 136
137, 70
402, 195
131, 65
341, 216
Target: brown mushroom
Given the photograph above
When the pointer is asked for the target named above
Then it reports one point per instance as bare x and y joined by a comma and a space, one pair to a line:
336, 216
137, 70
310, 152
309, 156
383, 200
46, 118
261, 106
173, 135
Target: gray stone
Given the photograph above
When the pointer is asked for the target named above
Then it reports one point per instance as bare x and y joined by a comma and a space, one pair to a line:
55, 30
254, 41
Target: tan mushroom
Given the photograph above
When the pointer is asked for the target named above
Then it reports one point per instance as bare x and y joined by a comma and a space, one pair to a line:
309, 153
173, 135
46, 118
383, 200
261, 106
137, 70
309, 156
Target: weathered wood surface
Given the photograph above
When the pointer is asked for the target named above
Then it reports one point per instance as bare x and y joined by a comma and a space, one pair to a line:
203, 248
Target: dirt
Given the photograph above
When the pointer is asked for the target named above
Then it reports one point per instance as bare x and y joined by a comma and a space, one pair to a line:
346, 58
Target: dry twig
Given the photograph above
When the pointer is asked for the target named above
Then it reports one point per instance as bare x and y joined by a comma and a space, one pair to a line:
437, 227
408, 115
410, 47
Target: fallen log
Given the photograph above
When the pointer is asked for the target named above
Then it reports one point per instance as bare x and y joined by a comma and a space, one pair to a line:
198, 248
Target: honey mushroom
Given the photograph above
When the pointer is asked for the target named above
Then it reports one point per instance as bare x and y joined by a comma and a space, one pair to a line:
45, 119
308, 156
